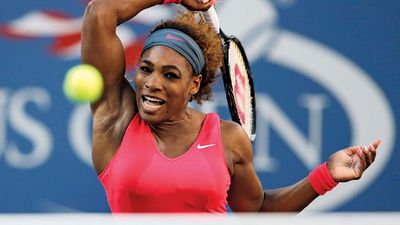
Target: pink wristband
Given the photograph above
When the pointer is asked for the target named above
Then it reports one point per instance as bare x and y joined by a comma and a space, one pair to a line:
172, 1
321, 180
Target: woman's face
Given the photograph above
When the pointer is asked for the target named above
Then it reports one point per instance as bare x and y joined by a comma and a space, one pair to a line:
164, 84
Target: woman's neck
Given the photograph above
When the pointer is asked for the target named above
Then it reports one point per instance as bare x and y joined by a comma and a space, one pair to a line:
176, 126
174, 137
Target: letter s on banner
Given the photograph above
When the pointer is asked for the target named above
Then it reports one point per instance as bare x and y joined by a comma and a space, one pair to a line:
30, 128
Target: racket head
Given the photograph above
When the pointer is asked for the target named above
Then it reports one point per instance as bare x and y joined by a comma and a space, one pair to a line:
238, 84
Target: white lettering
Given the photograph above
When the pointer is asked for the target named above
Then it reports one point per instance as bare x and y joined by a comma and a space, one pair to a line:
3, 119
307, 149
30, 128
315, 104
79, 133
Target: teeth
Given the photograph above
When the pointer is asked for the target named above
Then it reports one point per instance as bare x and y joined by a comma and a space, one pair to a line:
151, 99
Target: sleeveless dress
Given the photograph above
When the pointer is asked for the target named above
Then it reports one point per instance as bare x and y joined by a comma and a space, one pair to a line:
139, 178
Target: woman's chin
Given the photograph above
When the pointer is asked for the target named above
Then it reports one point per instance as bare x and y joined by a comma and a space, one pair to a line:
151, 118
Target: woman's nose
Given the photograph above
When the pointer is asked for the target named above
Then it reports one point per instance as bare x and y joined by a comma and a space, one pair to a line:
153, 82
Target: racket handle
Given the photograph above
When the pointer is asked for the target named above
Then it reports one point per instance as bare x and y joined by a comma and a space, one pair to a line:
211, 17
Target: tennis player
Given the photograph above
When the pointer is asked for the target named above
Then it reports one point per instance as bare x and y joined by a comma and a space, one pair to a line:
153, 153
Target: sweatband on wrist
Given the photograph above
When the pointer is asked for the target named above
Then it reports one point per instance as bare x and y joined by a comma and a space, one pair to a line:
172, 1
321, 180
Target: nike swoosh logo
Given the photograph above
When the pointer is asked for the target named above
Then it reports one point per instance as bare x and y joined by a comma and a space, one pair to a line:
170, 36
204, 146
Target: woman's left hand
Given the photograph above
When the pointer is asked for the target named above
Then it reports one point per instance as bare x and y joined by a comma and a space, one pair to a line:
350, 163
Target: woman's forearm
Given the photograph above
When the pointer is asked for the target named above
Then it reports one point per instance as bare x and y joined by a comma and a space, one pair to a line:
293, 198
119, 11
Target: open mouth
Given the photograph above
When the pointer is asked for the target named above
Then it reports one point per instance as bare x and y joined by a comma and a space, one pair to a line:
152, 100
151, 104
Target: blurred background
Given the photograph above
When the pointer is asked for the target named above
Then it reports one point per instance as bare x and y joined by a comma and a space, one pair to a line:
326, 75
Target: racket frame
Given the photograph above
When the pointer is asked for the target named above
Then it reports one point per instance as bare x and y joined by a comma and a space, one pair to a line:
226, 76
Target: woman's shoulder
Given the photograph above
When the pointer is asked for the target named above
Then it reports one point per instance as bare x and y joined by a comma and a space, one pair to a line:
232, 129
235, 140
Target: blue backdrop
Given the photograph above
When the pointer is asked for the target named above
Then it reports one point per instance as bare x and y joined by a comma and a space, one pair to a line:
326, 74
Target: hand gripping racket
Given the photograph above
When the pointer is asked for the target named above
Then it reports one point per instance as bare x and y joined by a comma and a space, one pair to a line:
237, 78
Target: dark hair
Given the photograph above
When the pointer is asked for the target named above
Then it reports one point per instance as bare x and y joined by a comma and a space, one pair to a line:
209, 43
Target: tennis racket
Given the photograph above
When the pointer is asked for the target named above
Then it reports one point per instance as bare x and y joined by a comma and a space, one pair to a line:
237, 77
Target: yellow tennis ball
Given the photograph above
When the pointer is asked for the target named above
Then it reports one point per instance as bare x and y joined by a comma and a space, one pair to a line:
83, 83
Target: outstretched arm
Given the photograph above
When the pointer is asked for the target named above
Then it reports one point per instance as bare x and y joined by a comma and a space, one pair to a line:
246, 193
344, 165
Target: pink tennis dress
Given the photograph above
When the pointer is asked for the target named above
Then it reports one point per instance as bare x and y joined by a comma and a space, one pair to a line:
139, 178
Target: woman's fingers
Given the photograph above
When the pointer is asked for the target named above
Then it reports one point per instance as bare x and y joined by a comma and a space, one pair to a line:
362, 163
370, 152
369, 157
376, 144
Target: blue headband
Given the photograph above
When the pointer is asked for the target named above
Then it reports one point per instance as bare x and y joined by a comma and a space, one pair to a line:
180, 42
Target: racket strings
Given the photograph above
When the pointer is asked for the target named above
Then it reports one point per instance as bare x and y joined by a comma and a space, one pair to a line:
241, 87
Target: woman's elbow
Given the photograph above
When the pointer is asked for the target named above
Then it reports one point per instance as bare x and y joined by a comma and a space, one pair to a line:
100, 12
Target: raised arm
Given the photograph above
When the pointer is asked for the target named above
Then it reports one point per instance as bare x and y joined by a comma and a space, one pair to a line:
246, 193
102, 48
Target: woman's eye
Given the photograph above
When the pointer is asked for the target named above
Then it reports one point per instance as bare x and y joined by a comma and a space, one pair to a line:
145, 69
171, 75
